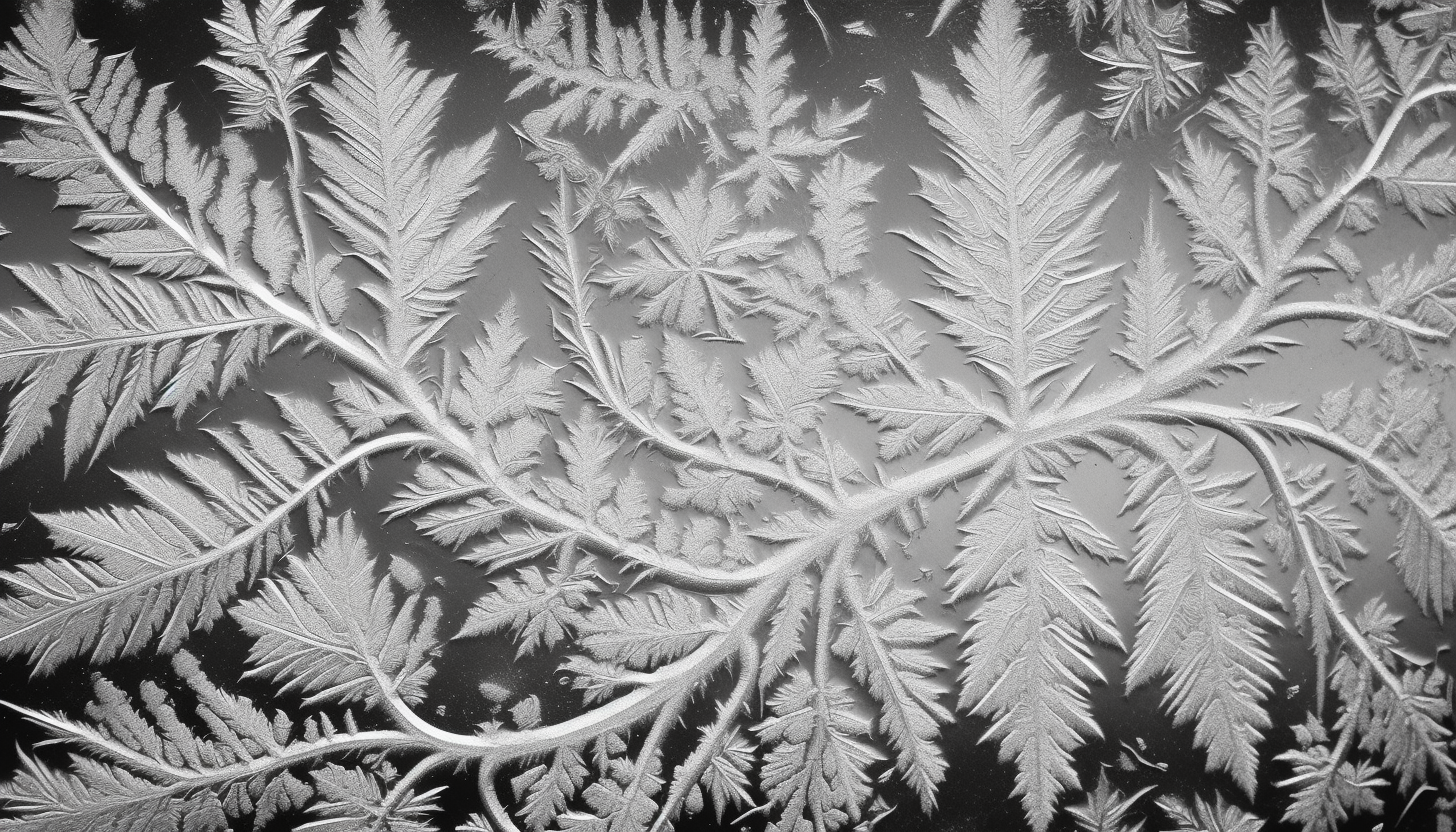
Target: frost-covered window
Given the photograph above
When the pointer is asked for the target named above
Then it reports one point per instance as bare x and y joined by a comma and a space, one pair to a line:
793, 415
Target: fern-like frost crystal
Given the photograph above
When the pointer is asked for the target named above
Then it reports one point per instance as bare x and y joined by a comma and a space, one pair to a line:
761, 491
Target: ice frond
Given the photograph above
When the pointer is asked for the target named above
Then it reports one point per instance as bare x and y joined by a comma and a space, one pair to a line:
48, 61
721, 493
1152, 324
453, 506
100, 111
1400, 727
725, 781
539, 608
776, 148
263, 64
1153, 73
692, 269
1329, 787
1348, 69
912, 417
1402, 449
360, 798
1211, 196
544, 790
332, 630
395, 198
1023, 303
1205, 598
1330, 791
1107, 809
887, 643
122, 346
1403, 723
1423, 293
496, 386
790, 380
816, 765
1260, 109
786, 628
146, 576
875, 336
146, 768
644, 631
841, 195
587, 451
655, 80
1418, 177
622, 800
1217, 816
1028, 654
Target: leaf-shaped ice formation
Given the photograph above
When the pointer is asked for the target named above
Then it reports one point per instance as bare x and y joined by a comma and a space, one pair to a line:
667, 73
399, 203
776, 148
1028, 653
262, 63
540, 610
164, 772
886, 642
1204, 607
816, 763
1259, 109
1397, 444
1023, 303
331, 630
146, 576
133, 344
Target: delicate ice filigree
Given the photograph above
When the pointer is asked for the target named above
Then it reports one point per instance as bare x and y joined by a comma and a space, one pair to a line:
689, 522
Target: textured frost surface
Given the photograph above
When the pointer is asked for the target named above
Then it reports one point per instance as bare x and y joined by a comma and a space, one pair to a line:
618, 461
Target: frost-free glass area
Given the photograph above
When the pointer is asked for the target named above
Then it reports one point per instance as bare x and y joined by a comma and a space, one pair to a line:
802, 416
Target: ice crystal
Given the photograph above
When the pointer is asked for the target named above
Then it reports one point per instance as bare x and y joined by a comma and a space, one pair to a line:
686, 519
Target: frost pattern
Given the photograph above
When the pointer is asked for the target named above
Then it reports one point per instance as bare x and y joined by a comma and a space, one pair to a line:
712, 565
